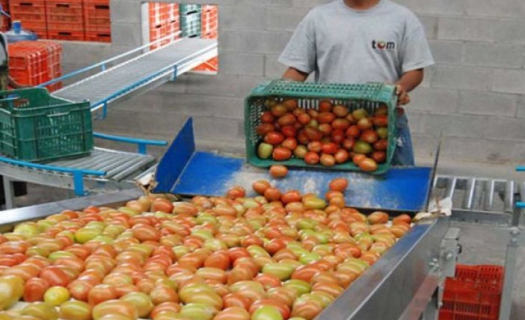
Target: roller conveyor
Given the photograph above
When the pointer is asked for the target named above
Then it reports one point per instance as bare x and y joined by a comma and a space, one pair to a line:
150, 68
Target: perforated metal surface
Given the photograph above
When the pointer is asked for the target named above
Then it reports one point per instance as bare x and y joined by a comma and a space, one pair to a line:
135, 73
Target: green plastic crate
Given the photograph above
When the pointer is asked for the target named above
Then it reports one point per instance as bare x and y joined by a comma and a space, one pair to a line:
189, 8
353, 96
191, 25
37, 127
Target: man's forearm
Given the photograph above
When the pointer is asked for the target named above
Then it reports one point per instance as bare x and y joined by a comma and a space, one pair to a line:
295, 75
411, 80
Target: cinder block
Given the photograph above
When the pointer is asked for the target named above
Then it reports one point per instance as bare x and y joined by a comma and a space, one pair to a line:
241, 63
272, 67
434, 100
487, 103
85, 53
467, 78
494, 55
126, 34
424, 145
141, 123
427, 78
434, 7
284, 19
467, 29
511, 31
242, 17
309, 3
457, 125
222, 85
125, 11
416, 121
510, 129
447, 52
254, 41
521, 107
509, 81
477, 150
269, 3
488, 8
431, 26
217, 128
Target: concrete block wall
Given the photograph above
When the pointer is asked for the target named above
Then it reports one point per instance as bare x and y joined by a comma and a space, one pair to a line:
475, 94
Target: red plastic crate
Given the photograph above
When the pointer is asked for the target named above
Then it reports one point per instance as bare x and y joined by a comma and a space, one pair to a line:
94, 36
66, 35
97, 16
210, 66
210, 35
209, 8
173, 12
475, 293
158, 13
31, 13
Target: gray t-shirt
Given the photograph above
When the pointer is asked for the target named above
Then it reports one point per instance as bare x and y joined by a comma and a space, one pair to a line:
343, 45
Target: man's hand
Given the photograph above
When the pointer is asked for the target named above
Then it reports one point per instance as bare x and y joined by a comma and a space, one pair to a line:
402, 96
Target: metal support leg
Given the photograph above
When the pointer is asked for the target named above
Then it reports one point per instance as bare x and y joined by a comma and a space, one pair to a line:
432, 310
8, 193
510, 267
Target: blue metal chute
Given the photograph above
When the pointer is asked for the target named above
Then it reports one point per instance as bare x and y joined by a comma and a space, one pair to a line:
185, 171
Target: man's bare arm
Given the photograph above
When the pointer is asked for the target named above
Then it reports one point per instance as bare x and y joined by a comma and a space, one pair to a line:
408, 82
295, 75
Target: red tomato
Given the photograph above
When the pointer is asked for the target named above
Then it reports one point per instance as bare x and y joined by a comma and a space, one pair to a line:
55, 276
329, 148
281, 306
326, 117
264, 129
353, 132
79, 289
115, 307
272, 194
327, 160
165, 307
236, 253
325, 106
340, 124
240, 274
161, 294
302, 138
279, 110
325, 129
381, 145
163, 205
365, 123
315, 146
101, 293
369, 136
312, 133
220, 260
287, 120
358, 158
291, 196
274, 138
379, 156
340, 111
236, 300
311, 158
290, 143
307, 310
341, 156
339, 184
305, 273
34, 289
348, 144
268, 281
281, 154
368, 165
289, 131
381, 121
267, 117
338, 136
278, 171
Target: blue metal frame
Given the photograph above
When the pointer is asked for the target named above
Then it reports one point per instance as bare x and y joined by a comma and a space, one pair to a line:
141, 143
78, 174
520, 205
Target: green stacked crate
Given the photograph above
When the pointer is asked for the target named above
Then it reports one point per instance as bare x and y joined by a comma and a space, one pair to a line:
35, 126
190, 21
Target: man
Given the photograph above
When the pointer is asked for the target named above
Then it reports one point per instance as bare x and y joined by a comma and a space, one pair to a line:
5, 80
360, 41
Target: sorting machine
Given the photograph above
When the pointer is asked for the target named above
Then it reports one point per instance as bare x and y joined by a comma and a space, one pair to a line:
406, 283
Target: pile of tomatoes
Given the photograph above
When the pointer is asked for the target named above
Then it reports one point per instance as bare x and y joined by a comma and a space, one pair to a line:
330, 135
275, 256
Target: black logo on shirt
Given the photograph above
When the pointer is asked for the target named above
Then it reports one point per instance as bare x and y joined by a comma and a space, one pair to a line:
383, 45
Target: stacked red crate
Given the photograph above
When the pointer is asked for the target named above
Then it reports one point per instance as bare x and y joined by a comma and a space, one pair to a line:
474, 293
65, 20
210, 30
210, 21
6, 22
32, 14
97, 20
163, 21
34, 62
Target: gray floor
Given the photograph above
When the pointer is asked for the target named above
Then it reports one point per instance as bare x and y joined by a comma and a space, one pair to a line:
480, 245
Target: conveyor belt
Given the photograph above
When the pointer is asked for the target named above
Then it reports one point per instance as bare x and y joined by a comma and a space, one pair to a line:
120, 167
126, 78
